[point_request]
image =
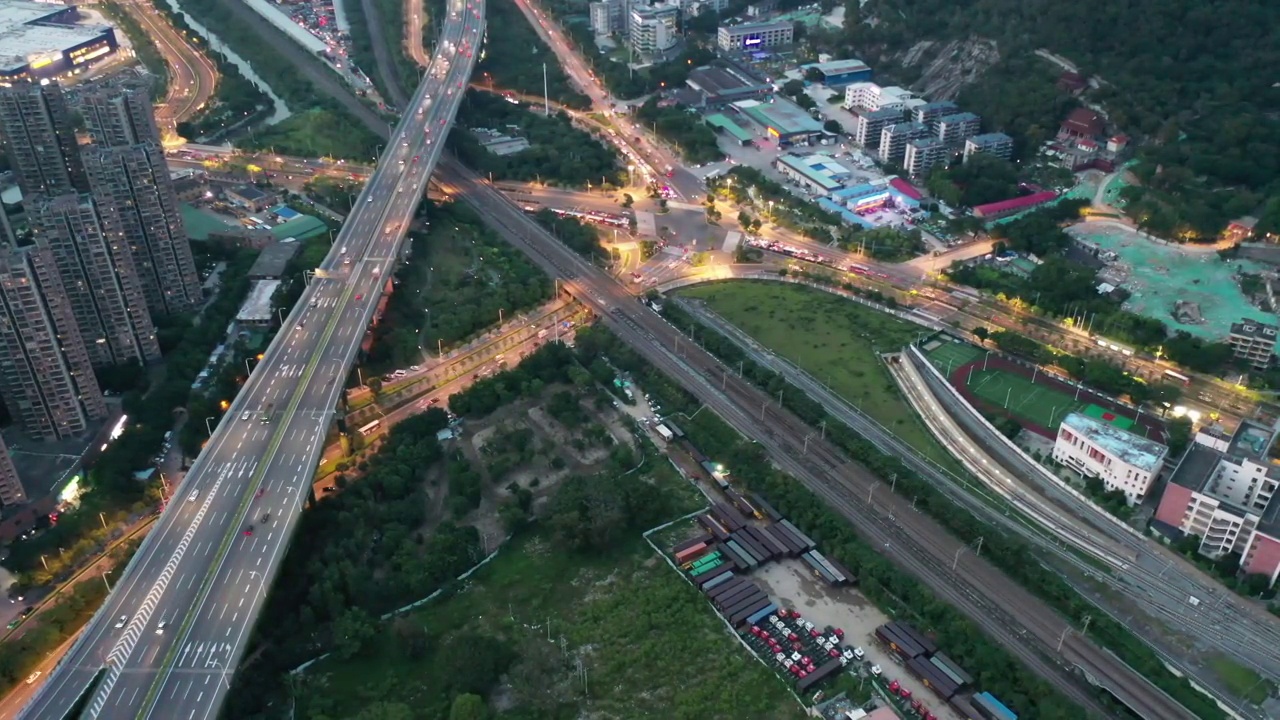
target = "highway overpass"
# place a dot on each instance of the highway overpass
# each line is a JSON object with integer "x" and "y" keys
{"x": 174, "y": 629}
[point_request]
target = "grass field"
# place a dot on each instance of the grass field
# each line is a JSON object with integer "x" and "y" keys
{"x": 649, "y": 643}
{"x": 948, "y": 355}
{"x": 835, "y": 340}
{"x": 1242, "y": 681}
{"x": 1033, "y": 403}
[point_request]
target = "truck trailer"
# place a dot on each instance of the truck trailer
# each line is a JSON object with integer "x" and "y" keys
{"x": 824, "y": 672}
{"x": 933, "y": 678}
{"x": 703, "y": 538}
{"x": 717, "y": 581}
{"x": 701, "y": 579}
{"x": 762, "y": 614}
{"x": 740, "y": 616}
{"x": 930, "y": 647}
{"x": 903, "y": 645}
{"x": 805, "y": 541}
{"x": 774, "y": 515}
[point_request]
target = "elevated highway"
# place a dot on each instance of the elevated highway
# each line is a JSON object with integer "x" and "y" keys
{"x": 175, "y": 627}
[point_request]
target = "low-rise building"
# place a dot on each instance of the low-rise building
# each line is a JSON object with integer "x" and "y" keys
{"x": 255, "y": 311}
{"x": 839, "y": 73}
{"x": 783, "y": 120}
{"x": 272, "y": 261}
{"x": 753, "y": 36}
{"x": 997, "y": 144}
{"x": 1253, "y": 342}
{"x": 819, "y": 173}
{"x": 499, "y": 143}
{"x": 1082, "y": 123}
{"x": 955, "y": 128}
{"x": 1122, "y": 460}
{"x": 922, "y": 155}
{"x": 868, "y": 125}
{"x": 721, "y": 84}
{"x": 1013, "y": 206}
{"x": 1223, "y": 492}
{"x": 250, "y": 197}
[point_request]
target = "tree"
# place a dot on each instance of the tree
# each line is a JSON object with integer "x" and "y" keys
{"x": 981, "y": 333}
{"x": 468, "y": 707}
{"x": 627, "y": 200}
{"x": 833, "y": 127}
{"x": 352, "y": 632}
{"x": 374, "y": 385}
{"x": 411, "y": 636}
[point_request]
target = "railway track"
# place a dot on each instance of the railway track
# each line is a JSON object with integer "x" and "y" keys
{"x": 994, "y": 602}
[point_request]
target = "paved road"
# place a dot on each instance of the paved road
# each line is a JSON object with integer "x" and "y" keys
{"x": 192, "y": 76}
{"x": 201, "y": 572}
{"x": 914, "y": 541}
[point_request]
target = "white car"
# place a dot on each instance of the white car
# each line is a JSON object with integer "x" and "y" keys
{"x": 160, "y": 627}
{"x": 245, "y": 415}
{"x": 414, "y": 368}
{"x": 192, "y": 497}
{"x": 875, "y": 670}
{"x": 120, "y": 623}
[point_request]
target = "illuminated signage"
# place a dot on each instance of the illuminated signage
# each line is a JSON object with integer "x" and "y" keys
{"x": 774, "y": 133}
{"x": 84, "y": 55}
{"x": 41, "y": 62}
{"x": 750, "y": 42}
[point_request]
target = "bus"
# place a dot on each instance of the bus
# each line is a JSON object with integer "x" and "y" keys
{"x": 369, "y": 429}
{"x": 1186, "y": 381}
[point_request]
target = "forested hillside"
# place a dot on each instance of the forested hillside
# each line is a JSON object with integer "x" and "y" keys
{"x": 1197, "y": 82}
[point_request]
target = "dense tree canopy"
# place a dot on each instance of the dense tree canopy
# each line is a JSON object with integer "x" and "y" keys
{"x": 1193, "y": 81}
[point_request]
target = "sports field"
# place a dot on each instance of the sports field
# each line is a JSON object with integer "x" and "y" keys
{"x": 947, "y": 354}
{"x": 1036, "y": 403}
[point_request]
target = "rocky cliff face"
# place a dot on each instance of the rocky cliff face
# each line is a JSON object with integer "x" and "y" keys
{"x": 947, "y": 67}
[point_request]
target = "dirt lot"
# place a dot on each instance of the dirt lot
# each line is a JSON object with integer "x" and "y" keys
{"x": 789, "y": 583}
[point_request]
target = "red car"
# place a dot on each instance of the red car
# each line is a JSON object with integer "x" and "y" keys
{"x": 359, "y": 296}
{"x": 248, "y": 530}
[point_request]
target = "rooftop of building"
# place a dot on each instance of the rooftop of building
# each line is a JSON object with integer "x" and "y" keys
{"x": 249, "y": 192}
{"x": 905, "y": 128}
{"x": 881, "y": 114}
{"x": 18, "y": 12}
{"x": 653, "y": 11}
{"x": 927, "y": 142}
{"x": 959, "y": 117}
{"x": 1084, "y": 121}
{"x": 257, "y": 306}
{"x": 718, "y": 80}
{"x": 300, "y": 228}
{"x": 785, "y": 118}
{"x": 763, "y": 26}
{"x": 940, "y": 105}
{"x": 989, "y": 138}
{"x": 1248, "y": 327}
{"x": 26, "y": 45}
{"x": 907, "y": 188}
{"x": 1133, "y": 449}
{"x": 824, "y": 170}
{"x": 725, "y": 123}
{"x": 1196, "y": 471}
{"x": 839, "y": 67}
{"x": 1018, "y": 203}
{"x": 273, "y": 259}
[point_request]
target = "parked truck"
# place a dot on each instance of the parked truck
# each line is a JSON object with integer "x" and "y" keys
{"x": 663, "y": 431}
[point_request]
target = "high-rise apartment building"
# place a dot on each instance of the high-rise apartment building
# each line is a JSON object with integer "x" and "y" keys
{"x": 609, "y": 16}
{"x": 871, "y": 123}
{"x": 997, "y": 144}
{"x": 133, "y": 182}
{"x": 653, "y": 29}
{"x": 45, "y": 373}
{"x": 127, "y": 174}
{"x": 11, "y": 490}
{"x": 118, "y": 112}
{"x": 894, "y": 139}
{"x": 40, "y": 139}
{"x": 100, "y": 278}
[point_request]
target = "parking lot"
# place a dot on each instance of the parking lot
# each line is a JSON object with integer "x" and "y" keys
{"x": 790, "y": 584}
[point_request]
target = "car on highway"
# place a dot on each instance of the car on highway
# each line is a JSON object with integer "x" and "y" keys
{"x": 376, "y": 269}
{"x": 160, "y": 626}
{"x": 248, "y": 530}
{"x": 265, "y": 518}
{"x": 192, "y": 497}
{"x": 121, "y": 621}
{"x": 245, "y": 415}
{"x": 359, "y": 296}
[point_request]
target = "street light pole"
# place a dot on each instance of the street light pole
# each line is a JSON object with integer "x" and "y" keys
{"x": 207, "y": 426}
